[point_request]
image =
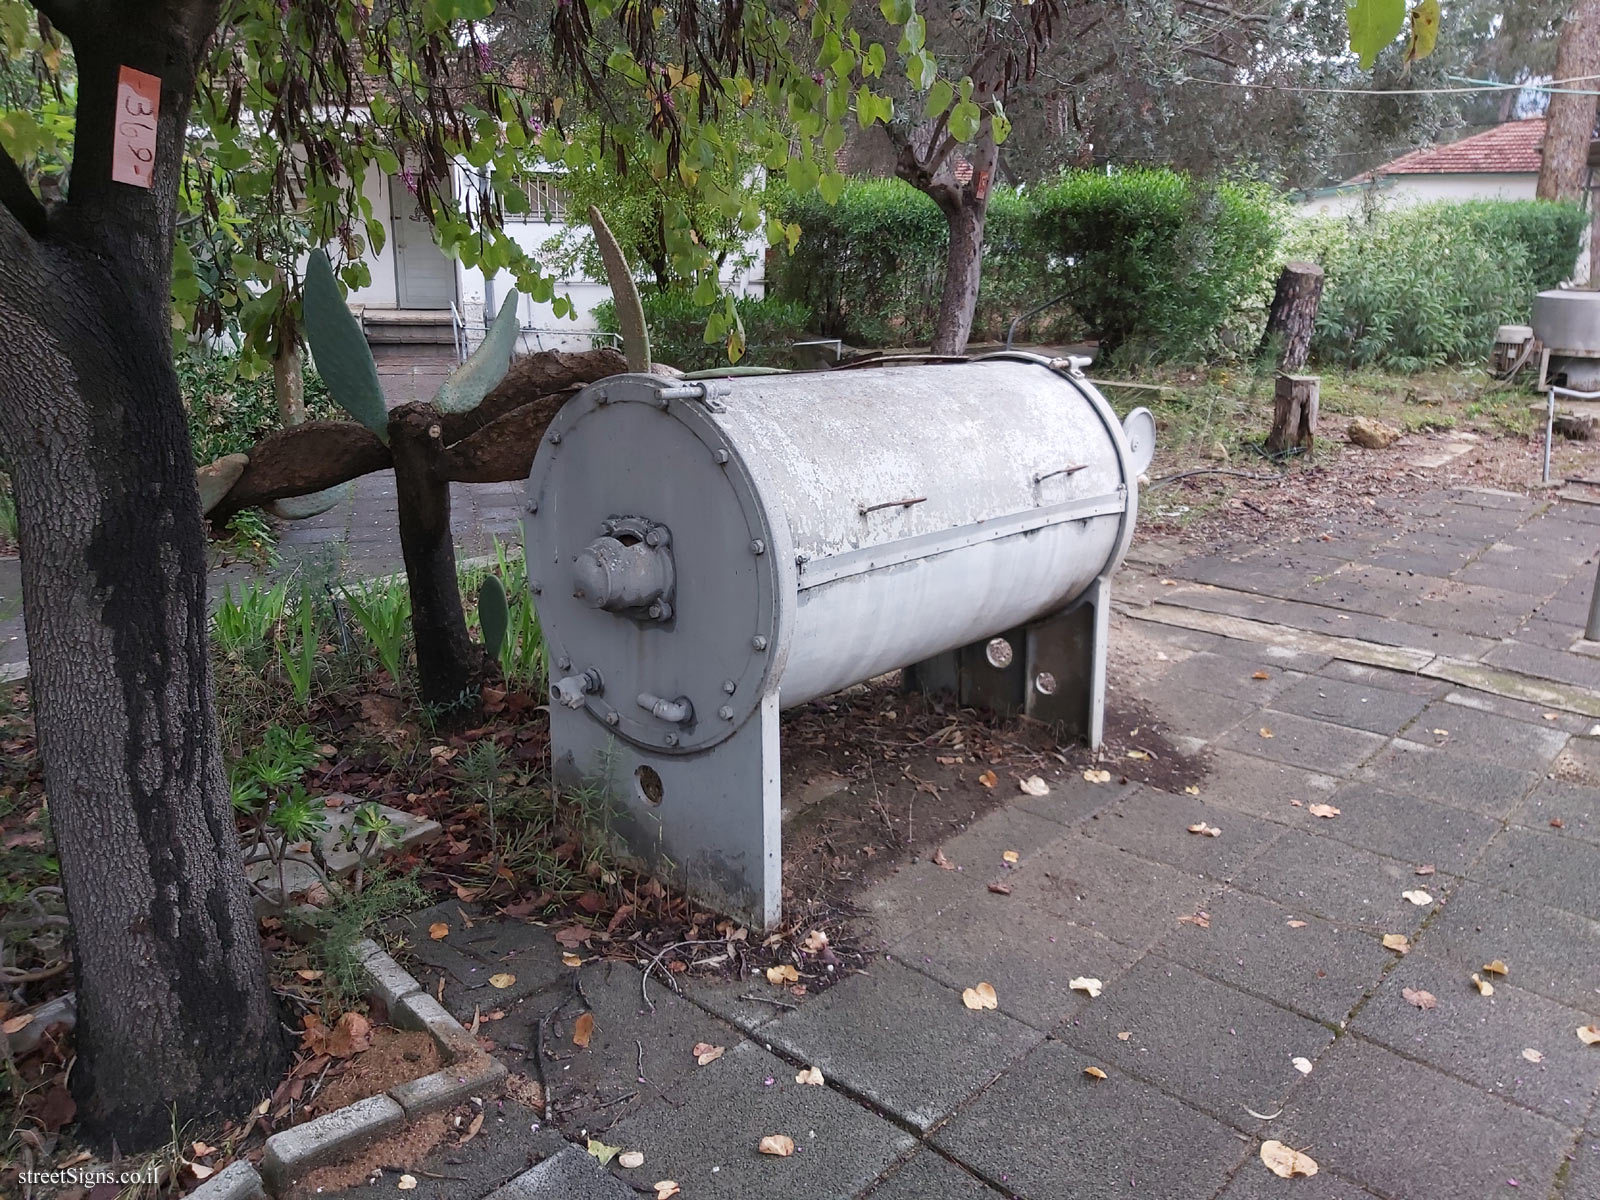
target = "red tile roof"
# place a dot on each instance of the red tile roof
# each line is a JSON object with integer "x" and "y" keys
{"x": 1509, "y": 149}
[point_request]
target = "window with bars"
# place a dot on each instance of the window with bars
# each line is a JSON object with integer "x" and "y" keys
{"x": 547, "y": 199}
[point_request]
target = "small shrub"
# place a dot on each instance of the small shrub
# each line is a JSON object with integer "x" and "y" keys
{"x": 354, "y": 915}
{"x": 231, "y": 410}
{"x": 1409, "y": 288}
{"x": 677, "y": 330}
{"x": 1157, "y": 264}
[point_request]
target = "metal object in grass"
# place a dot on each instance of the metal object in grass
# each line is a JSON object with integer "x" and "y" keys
{"x": 707, "y": 553}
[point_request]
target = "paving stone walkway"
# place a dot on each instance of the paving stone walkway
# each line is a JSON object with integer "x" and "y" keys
{"x": 1247, "y": 992}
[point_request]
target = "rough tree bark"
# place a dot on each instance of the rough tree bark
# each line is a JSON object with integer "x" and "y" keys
{"x": 289, "y": 383}
{"x": 446, "y": 665}
{"x": 176, "y": 1019}
{"x": 1293, "y": 316}
{"x": 927, "y": 161}
{"x": 1569, "y": 123}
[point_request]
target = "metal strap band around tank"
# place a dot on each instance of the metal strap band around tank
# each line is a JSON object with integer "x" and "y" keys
{"x": 817, "y": 572}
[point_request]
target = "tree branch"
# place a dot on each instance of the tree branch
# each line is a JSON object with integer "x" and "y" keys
{"x": 19, "y": 199}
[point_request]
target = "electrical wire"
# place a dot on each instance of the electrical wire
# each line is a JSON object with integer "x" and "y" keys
{"x": 1473, "y": 87}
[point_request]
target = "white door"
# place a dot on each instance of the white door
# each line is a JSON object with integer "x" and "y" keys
{"x": 424, "y": 276}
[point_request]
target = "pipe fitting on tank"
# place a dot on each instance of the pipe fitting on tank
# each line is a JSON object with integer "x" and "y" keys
{"x": 674, "y": 712}
{"x": 627, "y": 569}
{"x": 573, "y": 690}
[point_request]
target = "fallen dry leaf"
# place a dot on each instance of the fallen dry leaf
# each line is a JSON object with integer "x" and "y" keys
{"x": 939, "y": 860}
{"x": 1265, "y": 732}
{"x": 1441, "y": 732}
{"x": 1533, "y": 1055}
{"x": 1485, "y": 988}
{"x": 1205, "y": 830}
{"x": 1417, "y": 896}
{"x": 1426, "y": 869}
{"x": 1589, "y": 1034}
{"x": 1261, "y": 675}
{"x": 502, "y": 980}
{"x": 17, "y": 1024}
{"x": 1191, "y": 790}
{"x": 1301, "y": 1064}
{"x": 472, "y": 1128}
{"x": 631, "y": 1159}
{"x": 1034, "y": 786}
{"x": 201, "y": 1150}
{"x": 309, "y": 975}
{"x": 1298, "y": 803}
{"x": 1397, "y": 941}
{"x": 1139, "y": 755}
{"x": 1557, "y": 823}
{"x": 1201, "y": 920}
{"x": 1094, "y": 1072}
{"x": 438, "y": 931}
{"x": 1085, "y": 983}
{"x": 1495, "y": 968}
{"x": 352, "y": 1034}
{"x": 601, "y": 1151}
{"x": 811, "y": 1076}
{"x": 569, "y": 959}
{"x": 572, "y": 936}
{"x": 1296, "y": 923}
{"x": 1096, "y": 776}
{"x": 988, "y": 779}
{"x": 1551, "y": 716}
{"x": 816, "y": 942}
{"x": 583, "y": 1030}
{"x": 980, "y": 997}
{"x": 1326, "y": 811}
{"x": 782, "y": 974}
{"x": 1000, "y": 889}
{"x": 1286, "y": 1163}
{"x": 1125, "y": 1035}
{"x": 406, "y": 1183}
{"x": 200, "y": 1171}
{"x": 705, "y": 1052}
{"x": 1011, "y": 858}
{"x": 779, "y": 1145}
{"x": 666, "y": 1189}
{"x": 1420, "y": 998}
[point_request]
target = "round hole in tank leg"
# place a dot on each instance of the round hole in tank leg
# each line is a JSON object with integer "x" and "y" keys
{"x": 648, "y": 785}
{"x": 998, "y": 652}
{"x": 1045, "y": 683}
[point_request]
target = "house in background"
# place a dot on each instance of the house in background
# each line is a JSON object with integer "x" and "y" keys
{"x": 1498, "y": 164}
{"x": 421, "y": 296}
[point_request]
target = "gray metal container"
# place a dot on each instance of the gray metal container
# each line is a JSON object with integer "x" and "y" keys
{"x": 704, "y": 554}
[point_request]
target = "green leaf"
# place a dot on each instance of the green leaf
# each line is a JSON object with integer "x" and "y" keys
{"x": 939, "y": 97}
{"x": 1424, "y": 30}
{"x": 475, "y": 378}
{"x": 896, "y": 12}
{"x": 964, "y": 120}
{"x": 999, "y": 124}
{"x": 1373, "y": 25}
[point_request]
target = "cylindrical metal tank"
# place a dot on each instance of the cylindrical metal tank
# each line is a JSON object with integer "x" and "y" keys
{"x": 1566, "y": 322}
{"x": 703, "y": 553}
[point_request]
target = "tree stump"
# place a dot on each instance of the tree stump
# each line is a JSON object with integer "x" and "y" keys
{"x": 1294, "y": 413}
{"x": 1294, "y": 314}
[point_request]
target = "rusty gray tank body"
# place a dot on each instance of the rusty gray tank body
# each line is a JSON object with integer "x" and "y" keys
{"x": 703, "y": 554}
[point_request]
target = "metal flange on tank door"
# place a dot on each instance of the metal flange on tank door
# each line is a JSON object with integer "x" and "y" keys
{"x": 656, "y": 567}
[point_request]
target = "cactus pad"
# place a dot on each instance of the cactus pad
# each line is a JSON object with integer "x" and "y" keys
{"x": 340, "y": 348}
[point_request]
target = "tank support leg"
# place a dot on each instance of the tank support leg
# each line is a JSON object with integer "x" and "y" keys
{"x": 709, "y": 822}
{"x": 1055, "y": 672}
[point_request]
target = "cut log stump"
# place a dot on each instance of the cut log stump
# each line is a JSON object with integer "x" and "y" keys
{"x": 1293, "y": 317}
{"x": 1294, "y": 413}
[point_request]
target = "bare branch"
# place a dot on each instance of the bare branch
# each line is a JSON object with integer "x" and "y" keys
{"x": 19, "y": 198}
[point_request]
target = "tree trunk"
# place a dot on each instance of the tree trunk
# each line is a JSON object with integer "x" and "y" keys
{"x": 174, "y": 1011}
{"x": 289, "y": 382}
{"x": 1294, "y": 413}
{"x": 965, "y": 205}
{"x": 1293, "y": 317}
{"x": 1569, "y": 122}
{"x": 176, "y": 1021}
{"x": 446, "y": 661}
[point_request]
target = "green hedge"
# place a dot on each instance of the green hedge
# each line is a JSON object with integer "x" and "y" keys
{"x": 1412, "y": 287}
{"x": 230, "y": 412}
{"x": 677, "y": 330}
{"x": 1150, "y": 261}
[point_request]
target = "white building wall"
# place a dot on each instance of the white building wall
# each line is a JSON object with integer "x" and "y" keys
{"x": 1420, "y": 189}
{"x": 545, "y": 331}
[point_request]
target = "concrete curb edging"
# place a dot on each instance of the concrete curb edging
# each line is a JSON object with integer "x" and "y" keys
{"x": 291, "y": 1153}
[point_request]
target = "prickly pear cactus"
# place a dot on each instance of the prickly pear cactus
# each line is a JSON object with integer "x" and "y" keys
{"x": 340, "y": 349}
{"x": 624, "y": 294}
{"x": 492, "y": 615}
{"x": 476, "y": 378}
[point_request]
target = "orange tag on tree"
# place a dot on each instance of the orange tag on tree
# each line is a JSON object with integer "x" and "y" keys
{"x": 133, "y": 139}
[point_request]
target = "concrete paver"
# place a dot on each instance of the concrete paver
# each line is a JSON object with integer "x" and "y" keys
{"x": 927, "y": 1175}
{"x": 1406, "y": 827}
{"x": 1340, "y": 882}
{"x": 903, "y": 1041}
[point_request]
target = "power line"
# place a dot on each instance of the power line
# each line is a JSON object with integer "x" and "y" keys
{"x": 1474, "y": 86}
